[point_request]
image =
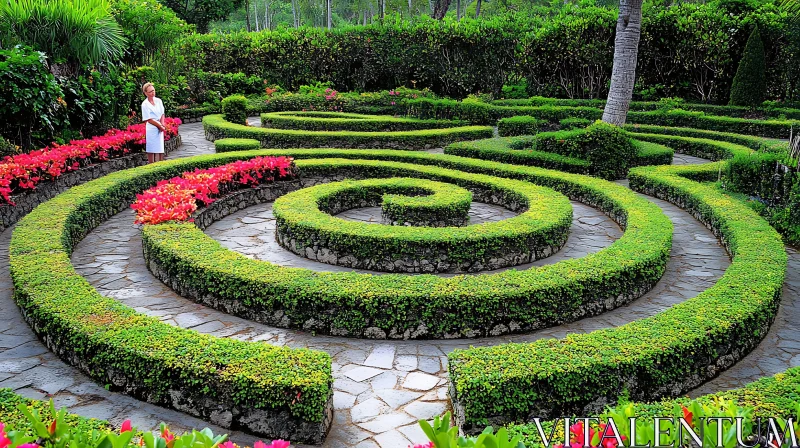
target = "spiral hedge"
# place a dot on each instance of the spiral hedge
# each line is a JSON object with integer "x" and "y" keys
{"x": 304, "y": 220}
{"x": 659, "y": 357}
{"x": 398, "y": 306}
{"x": 216, "y": 127}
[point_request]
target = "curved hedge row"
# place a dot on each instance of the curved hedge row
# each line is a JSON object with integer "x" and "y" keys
{"x": 595, "y": 150}
{"x": 305, "y": 226}
{"x": 216, "y": 127}
{"x": 441, "y": 205}
{"x": 486, "y": 113}
{"x": 401, "y": 306}
{"x": 229, "y": 382}
{"x": 342, "y": 121}
{"x": 664, "y": 355}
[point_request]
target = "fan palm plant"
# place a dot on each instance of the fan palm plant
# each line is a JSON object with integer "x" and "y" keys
{"x": 72, "y": 33}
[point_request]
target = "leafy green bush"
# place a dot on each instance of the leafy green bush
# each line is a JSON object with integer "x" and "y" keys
{"x": 601, "y": 150}
{"x": 234, "y": 109}
{"x": 71, "y": 32}
{"x": 32, "y": 108}
{"x": 216, "y": 127}
{"x": 149, "y": 28}
{"x": 423, "y": 305}
{"x": 750, "y": 85}
{"x": 140, "y": 354}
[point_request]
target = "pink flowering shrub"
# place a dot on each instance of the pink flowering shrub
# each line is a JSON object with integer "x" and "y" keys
{"x": 177, "y": 198}
{"x": 25, "y": 171}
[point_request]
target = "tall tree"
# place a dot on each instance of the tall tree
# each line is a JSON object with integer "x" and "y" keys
{"x": 329, "y": 14}
{"x": 626, "y": 51}
{"x": 478, "y": 9}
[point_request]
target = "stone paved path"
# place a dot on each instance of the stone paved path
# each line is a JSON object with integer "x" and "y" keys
{"x": 381, "y": 387}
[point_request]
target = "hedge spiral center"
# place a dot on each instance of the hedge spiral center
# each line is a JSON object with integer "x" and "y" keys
{"x": 305, "y": 225}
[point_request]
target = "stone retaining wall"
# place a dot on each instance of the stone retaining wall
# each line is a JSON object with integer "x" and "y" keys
{"x": 30, "y": 199}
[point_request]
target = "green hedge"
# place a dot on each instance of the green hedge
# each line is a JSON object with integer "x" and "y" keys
{"x": 440, "y": 202}
{"x": 520, "y": 125}
{"x": 661, "y": 356}
{"x": 648, "y": 153}
{"x": 402, "y": 305}
{"x": 699, "y": 147}
{"x": 235, "y": 144}
{"x": 342, "y": 121}
{"x": 485, "y": 113}
{"x": 234, "y": 109}
{"x": 305, "y": 217}
{"x": 766, "y": 111}
{"x": 140, "y": 354}
{"x": 216, "y": 127}
{"x": 607, "y": 150}
{"x": 752, "y": 142}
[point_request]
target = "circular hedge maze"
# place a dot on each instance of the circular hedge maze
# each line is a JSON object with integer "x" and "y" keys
{"x": 421, "y": 269}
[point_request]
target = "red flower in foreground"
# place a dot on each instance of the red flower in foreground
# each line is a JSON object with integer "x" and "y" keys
{"x": 4, "y": 440}
{"x": 126, "y": 426}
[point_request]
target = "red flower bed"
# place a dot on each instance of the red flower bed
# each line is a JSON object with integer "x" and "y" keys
{"x": 176, "y": 199}
{"x": 24, "y": 171}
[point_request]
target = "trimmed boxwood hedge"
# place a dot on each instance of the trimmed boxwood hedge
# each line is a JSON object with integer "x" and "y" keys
{"x": 699, "y": 147}
{"x": 440, "y": 202}
{"x": 236, "y": 144}
{"x": 403, "y": 306}
{"x": 752, "y": 142}
{"x": 216, "y": 127}
{"x": 602, "y": 150}
{"x": 661, "y": 356}
{"x": 644, "y": 106}
{"x": 521, "y": 125}
{"x": 342, "y": 121}
{"x": 141, "y": 355}
{"x": 648, "y": 153}
{"x": 485, "y": 113}
{"x": 305, "y": 217}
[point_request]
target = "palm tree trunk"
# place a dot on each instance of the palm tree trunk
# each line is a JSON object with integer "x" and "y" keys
{"x": 294, "y": 13}
{"x": 458, "y": 10}
{"x": 478, "y": 9}
{"x": 626, "y": 50}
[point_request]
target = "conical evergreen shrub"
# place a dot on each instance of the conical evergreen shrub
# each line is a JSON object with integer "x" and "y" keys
{"x": 750, "y": 84}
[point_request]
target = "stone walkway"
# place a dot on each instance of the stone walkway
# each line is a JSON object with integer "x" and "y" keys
{"x": 381, "y": 387}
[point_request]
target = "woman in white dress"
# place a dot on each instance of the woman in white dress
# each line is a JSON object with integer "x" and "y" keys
{"x": 153, "y": 115}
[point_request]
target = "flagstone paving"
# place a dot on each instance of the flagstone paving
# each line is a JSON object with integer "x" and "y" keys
{"x": 381, "y": 387}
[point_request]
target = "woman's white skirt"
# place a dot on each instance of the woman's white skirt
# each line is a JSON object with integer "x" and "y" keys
{"x": 155, "y": 140}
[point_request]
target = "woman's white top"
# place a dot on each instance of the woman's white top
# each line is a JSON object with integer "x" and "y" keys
{"x": 155, "y": 138}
